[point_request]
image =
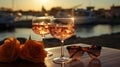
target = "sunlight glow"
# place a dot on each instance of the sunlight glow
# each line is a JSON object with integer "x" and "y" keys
{"x": 44, "y": 1}
{"x": 48, "y": 4}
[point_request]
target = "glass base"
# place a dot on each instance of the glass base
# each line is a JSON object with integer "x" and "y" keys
{"x": 60, "y": 60}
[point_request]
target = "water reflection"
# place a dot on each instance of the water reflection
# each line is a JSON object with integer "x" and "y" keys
{"x": 97, "y": 30}
{"x": 81, "y": 31}
{"x": 102, "y": 29}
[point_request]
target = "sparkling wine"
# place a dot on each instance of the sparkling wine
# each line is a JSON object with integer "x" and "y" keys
{"x": 62, "y": 32}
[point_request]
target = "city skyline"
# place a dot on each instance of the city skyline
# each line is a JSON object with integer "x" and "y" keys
{"x": 48, "y": 4}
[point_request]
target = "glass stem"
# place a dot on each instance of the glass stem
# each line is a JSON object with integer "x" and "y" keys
{"x": 62, "y": 48}
{"x": 43, "y": 36}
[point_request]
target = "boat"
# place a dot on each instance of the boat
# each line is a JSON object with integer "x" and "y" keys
{"x": 84, "y": 16}
{"x": 6, "y": 21}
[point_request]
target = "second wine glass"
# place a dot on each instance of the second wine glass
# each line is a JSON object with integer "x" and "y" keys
{"x": 62, "y": 29}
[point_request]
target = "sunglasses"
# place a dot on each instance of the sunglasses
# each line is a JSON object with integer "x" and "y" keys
{"x": 77, "y": 51}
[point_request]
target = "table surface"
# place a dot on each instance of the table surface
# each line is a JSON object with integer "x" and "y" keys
{"x": 109, "y": 58}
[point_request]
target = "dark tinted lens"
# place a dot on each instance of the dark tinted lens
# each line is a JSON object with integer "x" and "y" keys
{"x": 72, "y": 49}
{"x": 94, "y": 51}
{"x": 75, "y": 52}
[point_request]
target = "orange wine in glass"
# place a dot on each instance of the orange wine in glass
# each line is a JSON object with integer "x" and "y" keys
{"x": 62, "y": 29}
{"x": 40, "y": 26}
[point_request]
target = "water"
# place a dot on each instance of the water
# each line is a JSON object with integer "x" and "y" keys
{"x": 81, "y": 31}
{"x": 89, "y": 31}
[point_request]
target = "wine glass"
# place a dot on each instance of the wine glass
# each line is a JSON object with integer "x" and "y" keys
{"x": 62, "y": 29}
{"x": 40, "y": 26}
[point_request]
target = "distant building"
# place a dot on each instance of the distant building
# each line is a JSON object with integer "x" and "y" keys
{"x": 115, "y": 10}
{"x": 43, "y": 11}
{"x": 100, "y": 13}
{"x": 90, "y": 8}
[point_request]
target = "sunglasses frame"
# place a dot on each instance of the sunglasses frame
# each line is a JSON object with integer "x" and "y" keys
{"x": 89, "y": 50}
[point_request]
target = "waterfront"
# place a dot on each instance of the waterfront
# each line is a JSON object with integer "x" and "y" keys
{"x": 81, "y": 31}
{"x": 96, "y": 30}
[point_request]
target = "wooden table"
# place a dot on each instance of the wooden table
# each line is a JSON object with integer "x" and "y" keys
{"x": 109, "y": 58}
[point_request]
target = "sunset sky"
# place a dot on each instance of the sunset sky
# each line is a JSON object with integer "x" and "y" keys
{"x": 48, "y": 4}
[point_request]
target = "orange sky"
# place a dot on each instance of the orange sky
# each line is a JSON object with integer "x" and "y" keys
{"x": 48, "y": 4}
